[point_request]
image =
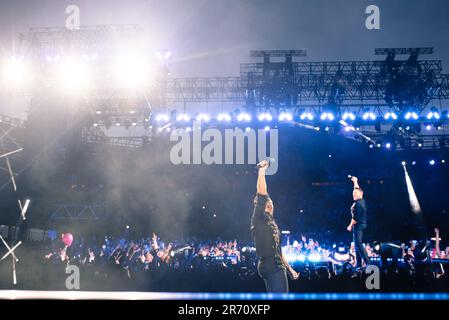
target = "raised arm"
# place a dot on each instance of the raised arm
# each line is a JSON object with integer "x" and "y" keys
{"x": 261, "y": 181}
{"x": 437, "y": 243}
{"x": 355, "y": 181}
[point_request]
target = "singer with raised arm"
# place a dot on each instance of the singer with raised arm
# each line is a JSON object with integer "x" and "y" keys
{"x": 272, "y": 266}
{"x": 358, "y": 222}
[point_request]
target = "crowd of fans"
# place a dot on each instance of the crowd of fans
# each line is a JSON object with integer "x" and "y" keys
{"x": 152, "y": 255}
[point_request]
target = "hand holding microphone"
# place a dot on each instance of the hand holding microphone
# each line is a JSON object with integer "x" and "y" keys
{"x": 265, "y": 164}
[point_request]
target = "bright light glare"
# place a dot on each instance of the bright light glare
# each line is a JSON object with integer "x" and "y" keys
{"x": 15, "y": 72}
{"x": 224, "y": 117}
{"x": 133, "y": 71}
{"x": 413, "y": 199}
{"x": 73, "y": 75}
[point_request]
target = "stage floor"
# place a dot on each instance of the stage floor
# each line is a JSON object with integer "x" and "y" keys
{"x": 132, "y": 295}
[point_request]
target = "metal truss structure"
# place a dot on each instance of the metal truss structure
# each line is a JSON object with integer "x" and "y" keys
{"x": 275, "y": 82}
{"x": 64, "y": 211}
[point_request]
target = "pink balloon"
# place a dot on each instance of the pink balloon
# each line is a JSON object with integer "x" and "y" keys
{"x": 67, "y": 239}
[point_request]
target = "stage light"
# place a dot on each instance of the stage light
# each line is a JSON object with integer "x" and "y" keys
{"x": 285, "y": 116}
{"x": 95, "y": 124}
{"x": 134, "y": 124}
{"x": 348, "y": 116}
{"x": 326, "y": 129}
{"x": 163, "y": 56}
{"x": 182, "y": 117}
{"x": 307, "y": 116}
{"x": 327, "y": 116}
{"x": 371, "y": 146}
{"x": 428, "y": 127}
{"x": 265, "y": 116}
{"x": 91, "y": 57}
{"x": 117, "y": 124}
{"x": 388, "y": 145}
{"x": 162, "y": 117}
{"x": 73, "y": 75}
{"x": 413, "y": 163}
{"x": 432, "y": 162}
{"x": 411, "y": 115}
{"x": 203, "y": 117}
{"x": 127, "y": 227}
{"x": 224, "y": 117}
{"x": 403, "y": 163}
{"x": 52, "y": 59}
{"x": 267, "y": 128}
{"x": 244, "y": 117}
{"x": 390, "y": 115}
{"x": 188, "y": 129}
{"x": 133, "y": 71}
{"x": 247, "y": 129}
{"x": 15, "y": 72}
{"x": 443, "y": 161}
{"x": 369, "y": 116}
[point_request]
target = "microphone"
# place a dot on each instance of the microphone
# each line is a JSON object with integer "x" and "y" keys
{"x": 270, "y": 160}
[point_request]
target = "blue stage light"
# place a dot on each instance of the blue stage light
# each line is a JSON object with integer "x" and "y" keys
{"x": 348, "y": 116}
{"x": 182, "y": 117}
{"x": 432, "y": 162}
{"x": 162, "y": 117}
{"x": 224, "y": 117}
{"x": 411, "y": 115}
{"x": 390, "y": 115}
{"x": 203, "y": 117}
{"x": 265, "y": 116}
{"x": 327, "y": 116}
{"x": 285, "y": 116}
{"x": 307, "y": 116}
{"x": 244, "y": 117}
{"x": 369, "y": 116}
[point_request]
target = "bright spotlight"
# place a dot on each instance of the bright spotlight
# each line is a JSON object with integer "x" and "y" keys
{"x": 265, "y": 116}
{"x": 162, "y": 117}
{"x": 307, "y": 115}
{"x": 390, "y": 115}
{"x": 413, "y": 199}
{"x": 388, "y": 145}
{"x": 163, "y": 56}
{"x": 133, "y": 71}
{"x": 411, "y": 115}
{"x": 203, "y": 117}
{"x": 403, "y": 163}
{"x": 224, "y": 117}
{"x": 327, "y": 116}
{"x": 285, "y": 116}
{"x": 267, "y": 128}
{"x": 348, "y": 116}
{"x": 432, "y": 162}
{"x": 15, "y": 72}
{"x": 73, "y": 75}
{"x": 369, "y": 116}
{"x": 182, "y": 117}
{"x": 244, "y": 117}
{"x": 247, "y": 129}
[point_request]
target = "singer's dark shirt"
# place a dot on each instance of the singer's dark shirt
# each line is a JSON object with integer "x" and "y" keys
{"x": 266, "y": 236}
{"x": 358, "y": 211}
